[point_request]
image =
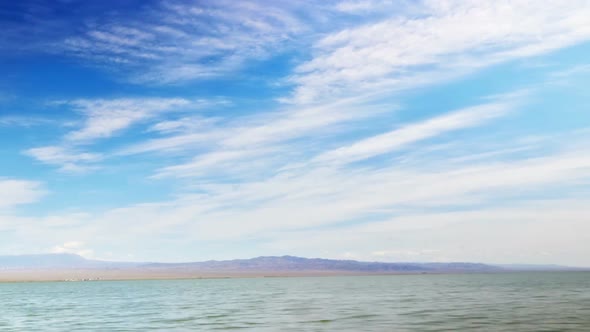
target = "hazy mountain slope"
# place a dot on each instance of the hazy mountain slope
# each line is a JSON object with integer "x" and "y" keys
{"x": 263, "y": 264}
{"x": 291, "y": 263}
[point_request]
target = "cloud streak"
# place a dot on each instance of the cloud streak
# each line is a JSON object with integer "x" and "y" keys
{"x": 105, "y": 118}
{"x": 68, "y": 160}
{"x": 447, "y": 38}
{"x": 223, "y": 35}
{"x": 399, "y": 138}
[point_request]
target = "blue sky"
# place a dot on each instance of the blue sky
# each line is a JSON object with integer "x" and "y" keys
{"x": 372, "y": 130}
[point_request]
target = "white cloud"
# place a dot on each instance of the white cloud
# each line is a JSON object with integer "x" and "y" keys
{"x": 105, "y": 118}
{"x": 360, "y": 7}
{"x": 66, "y": 158}
{"x": 260, "y": 132}
{"x": 383, "y": 203}
{"x": 366, "y": 211}
{"x": 23, "y": 121}
{"x": 448, "y": 37}
{"x": 298, "y": 122}
{"x": 220, "y": 162}
{"x": 183, "y": 125}
{"x": 73, "y": 247}
{"x": 171, "y": 41}
{"x": 258, "y": 144}
{"x": 398, "y": 138}
{"x": 183, "y": 141}
{"x": 15, "y": 192}
{"x": 332, "y": 196}
{"x": 534, "y": 231}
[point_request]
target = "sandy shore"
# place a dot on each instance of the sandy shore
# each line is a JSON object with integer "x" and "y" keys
{"x": 151, "y": 274}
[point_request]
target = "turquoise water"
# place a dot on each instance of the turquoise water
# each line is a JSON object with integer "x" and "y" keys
{"x": 475, "y": 302}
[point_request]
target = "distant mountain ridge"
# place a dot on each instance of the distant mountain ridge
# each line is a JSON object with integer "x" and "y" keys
{"x": 540, "y": 267}
{"x": 292, "y": 263}
{"x": 259, "y": 264}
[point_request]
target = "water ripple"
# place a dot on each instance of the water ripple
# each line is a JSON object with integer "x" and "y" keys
{"x": 477, "y": 302}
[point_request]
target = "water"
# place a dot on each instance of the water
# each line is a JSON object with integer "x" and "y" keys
{"x": 476, "y": 302}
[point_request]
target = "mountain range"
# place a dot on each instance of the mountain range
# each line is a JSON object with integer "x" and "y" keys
{"x": 258, "y": 264}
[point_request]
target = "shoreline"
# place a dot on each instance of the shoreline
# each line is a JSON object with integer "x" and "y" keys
{"x": 89, "y": 275}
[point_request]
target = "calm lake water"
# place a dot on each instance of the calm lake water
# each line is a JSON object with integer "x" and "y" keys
{"x": 484, "y": 302}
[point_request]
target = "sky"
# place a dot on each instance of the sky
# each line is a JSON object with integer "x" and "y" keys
{"x": 376, "y": 130}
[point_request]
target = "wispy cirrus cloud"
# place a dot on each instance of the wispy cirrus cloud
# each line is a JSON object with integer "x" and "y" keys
{"x": 412, "y": 133}
{"x": 24, "y": 121}
{"x": 67, "y": 159}
{"x": 104, "y": 118}
{"x": 275, "y": 143}
{"x": 188, "y": 40}
{"x": 446, "y": 38}
{"x": 374, "y": 205}
{"x": 259, "y": 130}
{"x": 187, "y": 124}
{"x": 334, "y": 196}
